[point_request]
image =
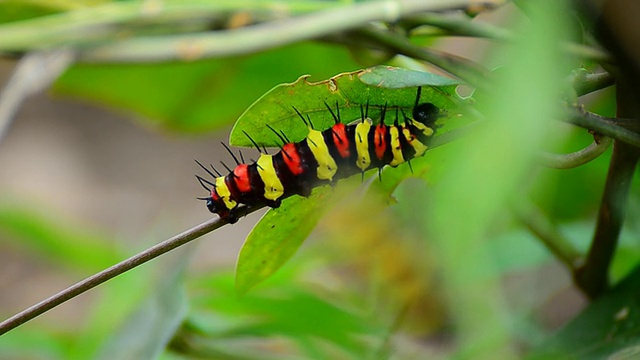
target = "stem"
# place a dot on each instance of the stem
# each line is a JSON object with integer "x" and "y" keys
{"x": 592, "y": 277}
{"x": 577, "y": 158}
{"x": 120, "y": 268}
{"x": 261, "y": 36}
{"x": 618, "y": 129}
{"x": 463, "y": 26}
{"x": 35, "y": 72}
{"x": 587, "y": 83}
{"x": 459, "y": 25}
{"x": 102, "y": 21}
{"x": 78, "y": 26}
{"x": 467, "y": 70}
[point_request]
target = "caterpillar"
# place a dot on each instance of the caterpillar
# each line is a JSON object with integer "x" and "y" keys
{"x": 321, "y": 158}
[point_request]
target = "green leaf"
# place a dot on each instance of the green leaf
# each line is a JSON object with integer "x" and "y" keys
{"x": 395, "y": 78}
{"x": 281, "y": 231}
{"x": 608, "y": 329}
{"x": 277, "y": 237}
{"x": 350, "y": 91}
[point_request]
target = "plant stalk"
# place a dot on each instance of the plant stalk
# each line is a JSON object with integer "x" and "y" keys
{"x": 115, "y": 270}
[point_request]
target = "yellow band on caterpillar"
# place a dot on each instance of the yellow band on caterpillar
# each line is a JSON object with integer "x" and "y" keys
{"x": 223, "y": 191}
{"x": 419, "y": 147}
{"x": 327, "y": 166}
{"x": 273, "y": 188}
{"x": 362, "y": 145}
{"x": 396, "y": 148}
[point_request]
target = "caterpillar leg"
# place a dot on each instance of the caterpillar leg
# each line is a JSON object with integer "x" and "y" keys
{"x": 305, "y": 190}
{"x": 273, "y": 203}
{"x": 232, "y": 218}
{"x": 229, "y": 216}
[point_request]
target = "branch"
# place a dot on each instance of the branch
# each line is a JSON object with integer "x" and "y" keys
{"x": 577, "y": 158}
{"x": 104, "y": 22}
{"x": 465, "y": 69}
{"x": 612, "y": 127}
{"x": 120, "y": 268}
{"x": 585, "y": 83}
{"x": 35, "y": 72}
{"x": 592, "y": 277}
{"x": 264, "y": 36}
{"x": 460, "y": 25}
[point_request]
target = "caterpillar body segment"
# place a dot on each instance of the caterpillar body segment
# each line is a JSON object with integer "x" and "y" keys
{"x": 321, "y": 158}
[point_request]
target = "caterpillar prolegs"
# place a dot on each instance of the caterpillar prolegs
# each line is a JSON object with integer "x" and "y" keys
{"x": 321, "y": 158}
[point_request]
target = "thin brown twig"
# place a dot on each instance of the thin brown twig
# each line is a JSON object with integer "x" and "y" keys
{"x": 623, "y": 130}
{"x": 266, "y": 35}
{"x": 115, "y": 270}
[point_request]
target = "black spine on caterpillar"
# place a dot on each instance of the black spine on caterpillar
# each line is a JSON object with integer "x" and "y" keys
{"x": 321, "y": 158}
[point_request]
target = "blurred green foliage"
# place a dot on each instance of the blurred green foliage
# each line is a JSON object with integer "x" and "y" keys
{"x": 199, "y": 96}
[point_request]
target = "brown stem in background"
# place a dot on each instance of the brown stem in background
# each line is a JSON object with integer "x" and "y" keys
{"x": 614, "y": 24}
{"x": 465, "y": 69}
{"x": 593, "y": 276}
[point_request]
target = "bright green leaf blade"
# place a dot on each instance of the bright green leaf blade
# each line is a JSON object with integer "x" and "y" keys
{"x": 281, "y": 231}
{"x": 608, "y": 329}
{"x": 349, "y": 91}
{"x": 277, "y": 237}
{"x": 275, "y": 253}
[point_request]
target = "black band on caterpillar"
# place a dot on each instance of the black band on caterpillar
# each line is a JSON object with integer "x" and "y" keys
{"x": 321, "y": 158}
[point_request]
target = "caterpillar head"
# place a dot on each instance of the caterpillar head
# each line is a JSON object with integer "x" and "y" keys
{"x": 211, "y": 205}
{"x": 216, "y": 205}
{"x": 427, "y": 114}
